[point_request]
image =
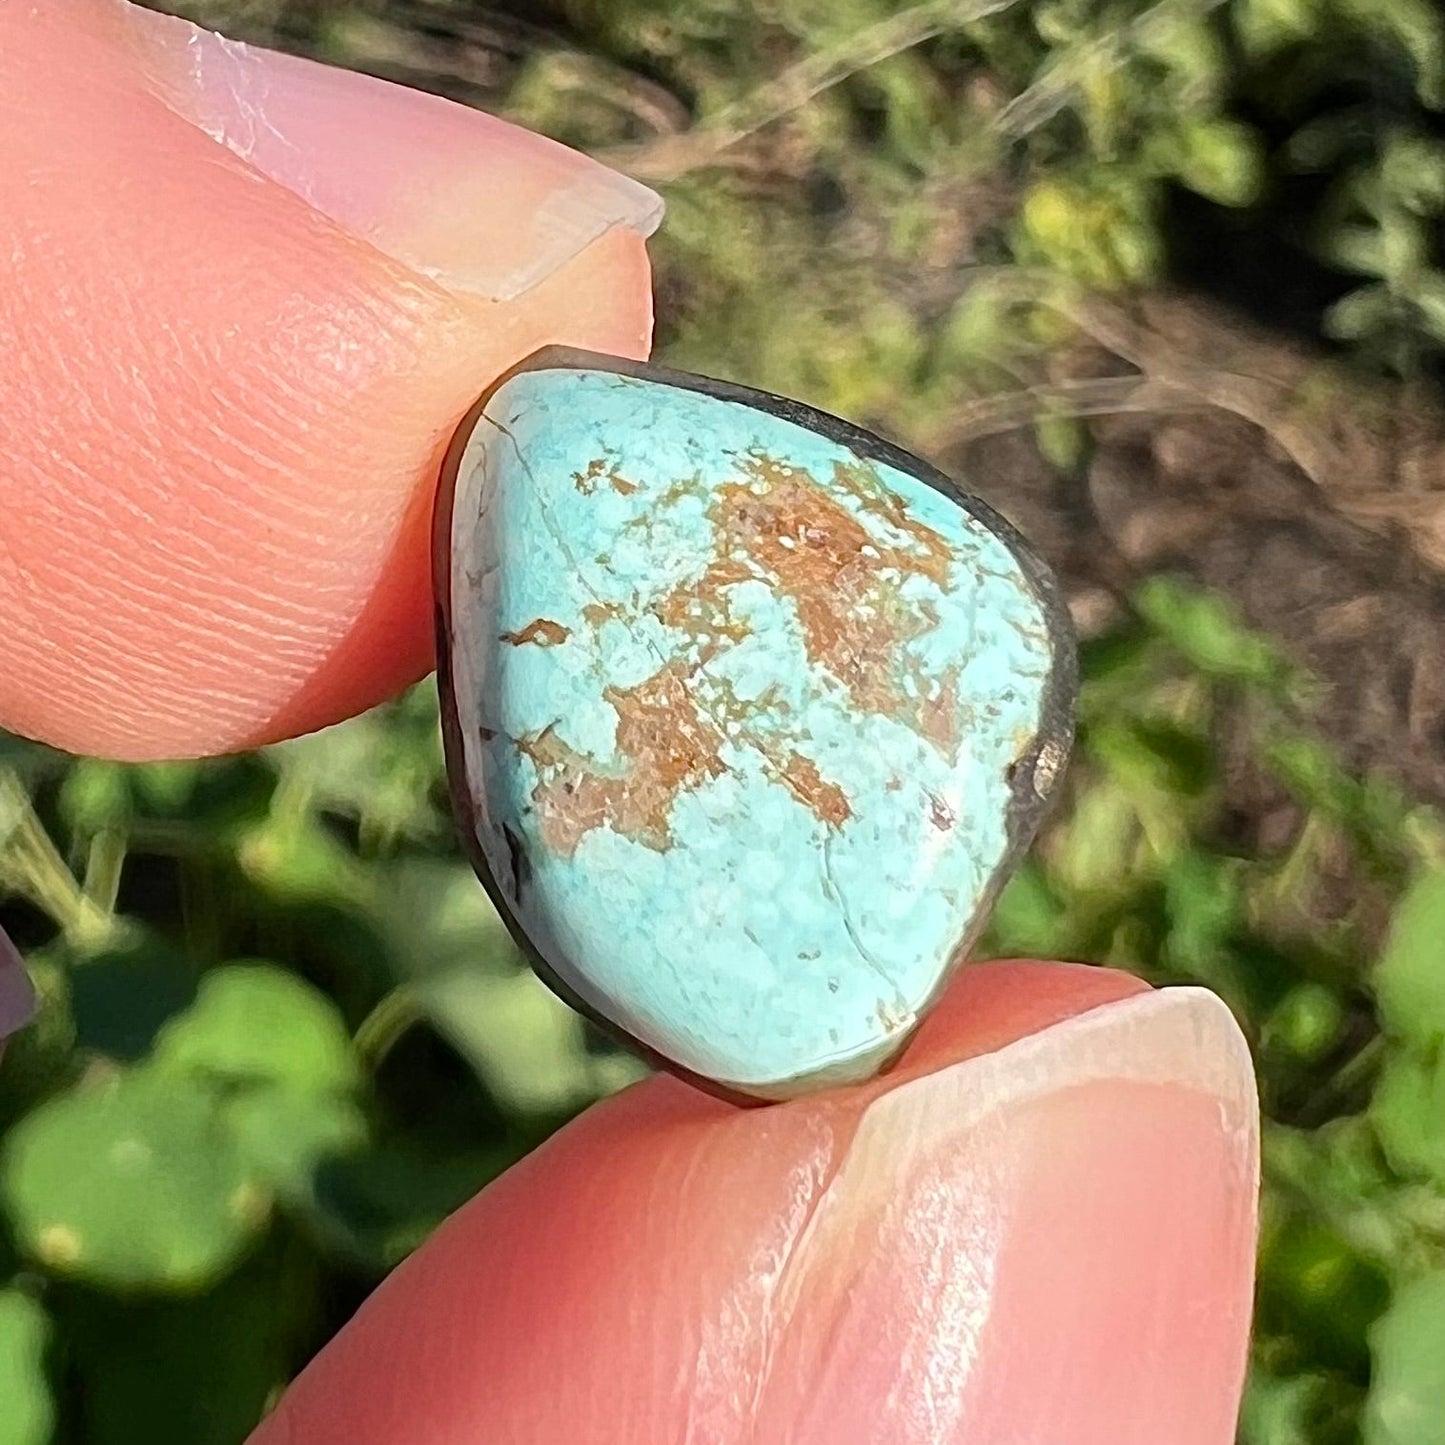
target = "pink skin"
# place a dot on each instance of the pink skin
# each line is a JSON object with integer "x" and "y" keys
{"x": 223, "y": 408}
{"x": 247, "y": 301}
{"x": 1050, "y": 1242}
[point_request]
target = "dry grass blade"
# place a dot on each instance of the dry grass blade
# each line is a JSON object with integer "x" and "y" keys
{"x": 987, "y": 416}
{"x": 667, "y": 159}
{"x": 1050, "y": 93}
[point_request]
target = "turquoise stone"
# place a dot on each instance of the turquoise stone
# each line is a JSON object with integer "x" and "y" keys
{"x": 747, "y": 713}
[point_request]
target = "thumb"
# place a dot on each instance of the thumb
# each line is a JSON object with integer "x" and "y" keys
{"x": 246, "y": 301}
{"x": 1039, "y": 1227}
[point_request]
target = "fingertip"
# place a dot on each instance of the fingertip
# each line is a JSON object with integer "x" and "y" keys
{"x": 1064, "y": 1191}
{"x": 225, "y": 394}
{"x": 600, "y": 299}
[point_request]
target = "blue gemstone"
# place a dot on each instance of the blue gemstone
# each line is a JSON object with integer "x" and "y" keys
{"x": 747, "y": 712}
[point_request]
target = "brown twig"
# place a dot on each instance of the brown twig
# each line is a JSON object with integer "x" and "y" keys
{"x": 1265, "y": 400}
{"x": 987, "y": 416}
{"x": 1049, "y": 94}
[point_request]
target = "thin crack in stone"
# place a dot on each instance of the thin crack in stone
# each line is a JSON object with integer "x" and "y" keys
{"x": 851, "y": 928}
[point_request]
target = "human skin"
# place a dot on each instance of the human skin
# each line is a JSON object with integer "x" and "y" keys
{"x": 245, "y": 303}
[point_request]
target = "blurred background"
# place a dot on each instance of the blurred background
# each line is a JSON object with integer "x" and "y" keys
{"x": 1165, "y": 283}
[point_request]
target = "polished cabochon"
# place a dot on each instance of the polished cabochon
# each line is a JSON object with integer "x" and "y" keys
{"x": 747, "y": 712}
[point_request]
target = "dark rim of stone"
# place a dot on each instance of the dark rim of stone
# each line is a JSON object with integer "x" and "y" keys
{"x": 1033, "y": 778}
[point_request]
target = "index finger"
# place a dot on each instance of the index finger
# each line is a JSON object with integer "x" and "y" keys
{"x": 246, "y": 300}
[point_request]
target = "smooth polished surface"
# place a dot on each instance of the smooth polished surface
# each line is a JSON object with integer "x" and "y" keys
{"x": 749, "y": 719}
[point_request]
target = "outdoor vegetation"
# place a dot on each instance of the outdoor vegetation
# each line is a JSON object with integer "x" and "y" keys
{"x": 283, "y": 1032}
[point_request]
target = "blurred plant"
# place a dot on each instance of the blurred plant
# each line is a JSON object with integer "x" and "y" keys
{"x": 936, "y": 135}
{"x": 204, "y": 1149}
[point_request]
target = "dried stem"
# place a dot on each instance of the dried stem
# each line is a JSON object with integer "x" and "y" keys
{"x": 31, "y": 865}
{"x": 674, "y": 156}
{"x": 986, "y": 416}
{"x": 1040, "y": 102}
{"x": 1271, "y": 403}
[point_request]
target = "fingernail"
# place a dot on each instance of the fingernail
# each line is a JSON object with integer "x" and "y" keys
{"x": 476, "y": 204}
{"x": 1061, "y": 1230}
{"x": 17, "y": 993}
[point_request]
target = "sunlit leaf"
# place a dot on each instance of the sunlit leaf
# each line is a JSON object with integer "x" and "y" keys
{"x": 254, "y": 1022}
{"x": 286, "y": 1135}
{"x": 1407, "y": 1395}
{"x": 130, "y": 1183}
{"x": 1206, "y": 629}
{"x": 1222, "y": 160}
{"x": 1410, "y": 976}
{"x": 1408, "y": 1110}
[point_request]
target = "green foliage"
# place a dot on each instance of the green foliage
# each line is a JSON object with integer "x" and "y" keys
{"x": 1410, "y": 978}
{"x": 1407, "y": 1404}
{"x": 272, "y": 1055}
{"x": 128, "y": 1183}
{"x": 253, "y": 1023}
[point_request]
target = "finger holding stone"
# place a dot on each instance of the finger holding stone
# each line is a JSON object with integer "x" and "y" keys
{"x": 1045, "y": 1214}
{"x": 247, "y": 300}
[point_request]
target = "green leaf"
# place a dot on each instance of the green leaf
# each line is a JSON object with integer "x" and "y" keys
{"x": 1410, "y": 977}
{"x": 1375, "y": 813}
{"x": 383, "y": 768}
{"x": 287, "y": 1135}
{"x": 438, "y": 917}
{"x": 27, "y": 1414}
{"x": 1211, "y": 635}
{"x": 1412, "y": 171}
{"x": 1097, "y": 846}
{"x": 123, "y": 995}
{"x": 166, "y": 788}
{"x": 1265, "y": 26}
{"x": 1357, "y": 248}
{"x": 1062, "y": 440}
{"x": 1362, "y": 313}
{"x": 1315, "y": 1286}
{"x": 1195, "y": 54}
{"x": 1407, "y": 1391}
{"x": 254, "y": 1022}
{"x": 379, "y": 1205}
{"x": 1205, "y": 908}
{"x": 525, "y": 1044}
{"x": 95, "y": 795}
{"x": 1408, "y": 1112}
{"x": 1307, "y": 1022}
{"x": 132, "y": 1183}
{"x": 1029, "y": 919}
{"x": 297, "y": 859}
{"x": 1285, "y": 1410}
{"x": 1428, "y": 298}
{"x": 469, "y": 980}
{"x": 1154, "y": 754}
{"x": 1221, "y": 160}
{"x": 1416, "y": 26}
